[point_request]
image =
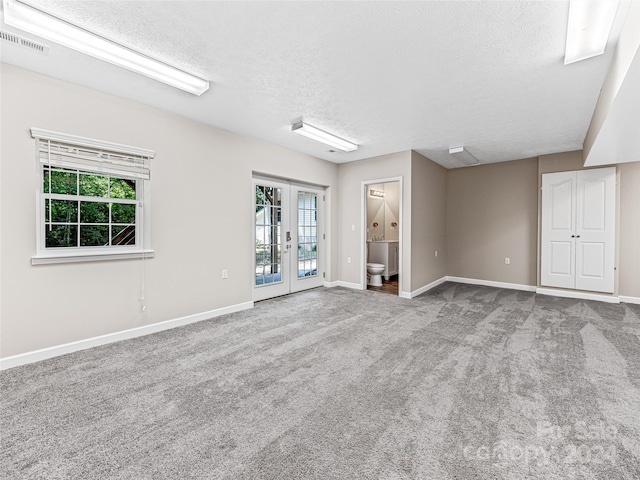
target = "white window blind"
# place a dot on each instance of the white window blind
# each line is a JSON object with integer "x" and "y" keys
{"x": 61, "y": 150}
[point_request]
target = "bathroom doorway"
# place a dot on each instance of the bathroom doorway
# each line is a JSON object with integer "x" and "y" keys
{"x": 382, "y": 235}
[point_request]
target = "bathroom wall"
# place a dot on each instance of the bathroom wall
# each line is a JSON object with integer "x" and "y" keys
{"x": 351, "y": 242}
{"x": 385, "y": 211}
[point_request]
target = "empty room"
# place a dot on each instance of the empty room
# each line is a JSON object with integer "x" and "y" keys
{"x": 320, "y": 239}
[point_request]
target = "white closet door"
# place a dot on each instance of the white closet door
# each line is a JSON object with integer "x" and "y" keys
{"x": 578, "y": 229}
{"x": 558, "y": 227}
{"x": 595, "y": 229}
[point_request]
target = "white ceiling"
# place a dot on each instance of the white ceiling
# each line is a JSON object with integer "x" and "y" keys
{"x": 390, "y": 76}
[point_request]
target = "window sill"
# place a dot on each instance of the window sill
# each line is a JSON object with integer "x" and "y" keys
{"x": 76, "y": 257}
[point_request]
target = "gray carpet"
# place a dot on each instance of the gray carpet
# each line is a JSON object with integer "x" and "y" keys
{"x": 463, "y": 382}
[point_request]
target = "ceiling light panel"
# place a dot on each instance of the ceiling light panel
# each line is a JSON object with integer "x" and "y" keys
{"x": 26, "y": 17}
{"x": 323, "y": 137}
{"x": 590, "y": 23}
{"x": 462, "y": 155}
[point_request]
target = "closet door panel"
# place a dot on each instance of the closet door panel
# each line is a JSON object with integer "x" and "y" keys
{"x": 595, "y": 229}
{"x": 560, "y": 263}
{"x": 558, "y": 226}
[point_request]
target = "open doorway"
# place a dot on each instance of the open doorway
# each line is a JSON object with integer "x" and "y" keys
{"x": 382, "y": 235}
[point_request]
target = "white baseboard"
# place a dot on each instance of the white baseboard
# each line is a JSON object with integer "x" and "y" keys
{"x": 547, "y": 291}
{"x": 355, "y": 286}
{"x": 50, "y": 352}
{"x": 577, "y": 294}
{"x": 491, "y": 283}
{"x": 331, "y": 284}
{"x": 625, "y": 299}
{"x": 421, "y": 290}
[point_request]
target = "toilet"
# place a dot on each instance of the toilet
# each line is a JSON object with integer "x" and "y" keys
{"x": 375, "y": 274}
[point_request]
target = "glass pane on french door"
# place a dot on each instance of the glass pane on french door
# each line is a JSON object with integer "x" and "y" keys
{"x": 268, "y": 234}
{"x": 307, "y": 234}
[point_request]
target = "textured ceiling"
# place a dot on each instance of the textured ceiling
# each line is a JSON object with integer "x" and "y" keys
{"x": 390, "y": 76}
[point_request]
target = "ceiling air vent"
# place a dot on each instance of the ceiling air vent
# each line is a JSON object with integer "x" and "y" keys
{"x": 23, "y": 42}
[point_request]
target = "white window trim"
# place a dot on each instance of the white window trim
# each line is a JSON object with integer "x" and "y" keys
{"x": 46, "y": 259}
{"x": 87, "y": 254}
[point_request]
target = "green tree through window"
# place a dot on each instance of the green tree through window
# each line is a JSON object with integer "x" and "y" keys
{"x": 83, "y": 209}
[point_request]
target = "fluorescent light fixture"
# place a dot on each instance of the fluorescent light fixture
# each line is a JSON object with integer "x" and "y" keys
{"x": 590, "y": 23}
{"x": 464, "y": 156}
{"x": 376, "y": 193}
{"x": 323, "y": 137}
{"x": 20, "y": 14}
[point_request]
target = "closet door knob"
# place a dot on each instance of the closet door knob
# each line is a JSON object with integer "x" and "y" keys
{"x": 573, "y": 236}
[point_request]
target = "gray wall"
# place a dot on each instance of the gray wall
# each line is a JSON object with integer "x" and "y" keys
{"x": 492, "y": 214}
{"x": 428, "y": 221}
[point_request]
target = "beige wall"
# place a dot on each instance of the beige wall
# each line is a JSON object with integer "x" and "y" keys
{"x": 350, "y": 236}
{"x": 428, "y": 221}
{"x": 492, "y": 214}
{"x": 201, "y": 216}
{"x": 559, "y": 162}
{"x": 629, "y": 257}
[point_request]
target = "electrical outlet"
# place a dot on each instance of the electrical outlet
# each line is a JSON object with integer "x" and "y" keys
{"x": 348, "y": 259}
{"x": 507, "y": 261}
{"x": 225, "y": 274}
{"x": 353, "y": 228}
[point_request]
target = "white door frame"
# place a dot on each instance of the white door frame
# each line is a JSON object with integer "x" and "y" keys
{"x": 363, "y": 229}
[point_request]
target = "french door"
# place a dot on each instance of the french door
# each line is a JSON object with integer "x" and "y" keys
{"x": 288, "y": 238}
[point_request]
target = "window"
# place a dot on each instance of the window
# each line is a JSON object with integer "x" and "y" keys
{"x": 93, "y": 199}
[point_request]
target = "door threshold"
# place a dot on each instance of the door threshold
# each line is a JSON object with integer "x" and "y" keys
{"x": 582, "y": 295}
